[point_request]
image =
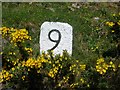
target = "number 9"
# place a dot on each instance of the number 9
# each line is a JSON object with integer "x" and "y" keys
{"x": 57, "y": 41}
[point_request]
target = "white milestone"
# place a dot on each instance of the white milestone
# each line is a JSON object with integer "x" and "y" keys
{"x": 56, "y": 36}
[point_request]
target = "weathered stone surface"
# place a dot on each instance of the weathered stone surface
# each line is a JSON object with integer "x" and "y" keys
{"x": 61, "y": 35}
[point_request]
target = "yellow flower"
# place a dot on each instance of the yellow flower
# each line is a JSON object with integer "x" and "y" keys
{"x": 29, "y": 50}
{"x": 101, "y": 66}
{"x": 34, "y": 63}
{"x": 23, "y": 77}
{"x": 1, "y": 53}
{"x": 57, "y": 61}
{"x": 111, "y": 62}
{"x": 49, "y": 62}
{"x": 53, "y": 72}
{"x": 107, "y": 23}
{"x": 5, "y": 31}
{"x": 59, "y": 84}
{"x": 13, "y": 69}
{"x": 11, "y": 75}
{"x": 104, "y": 71}
{"x": 38, "y": 71}
{"x": 20, "y": 35}
{"x": 53, "y": 65}
{"x": 118, "y": 22}
{"x": 119, "y": 65}
{"x": 82, "y": 80}
{"x": 110, "y": 24}
{"x": 101, "y": 60}
{"x": 112, "y": 65}
{"x": 114, "y": 15}
{"x": 82, "y": 67}
{"x": 105, "y": 66}
{"x": 77, "y": 61}
{"x": 5, "y": 75}
{"x": 88, "y": 85}
{"x": 28, "y": 69}
{"x": 113, "y": 31}
{"x": 73, "y": 85}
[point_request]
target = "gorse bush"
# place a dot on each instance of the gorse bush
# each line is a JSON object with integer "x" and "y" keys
{"x": 24, "y": 71}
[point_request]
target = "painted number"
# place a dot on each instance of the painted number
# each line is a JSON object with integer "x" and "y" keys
{"x": 56, "y": 41}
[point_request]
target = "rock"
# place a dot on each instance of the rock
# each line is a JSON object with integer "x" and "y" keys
{"x": 56, "y": 36}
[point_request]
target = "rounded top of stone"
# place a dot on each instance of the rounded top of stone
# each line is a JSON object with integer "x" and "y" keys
{"x": 59, "y": 23}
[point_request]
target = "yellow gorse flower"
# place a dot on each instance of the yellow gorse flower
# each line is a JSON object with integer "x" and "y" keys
{"x": 13, "y": 69}
{"x": 112, "y": 65}
{"x": 118, "y": 22}
{"x": 20, "y": 36}
{"x": 16, "y": 35}
{"x": 23, "y": 77}
{"x": 72, "y": 66}
{"x": 34, "y": 63}
{"x": 82, "y": 80}
{"x": 5, "y": 76}
{"x": 119, "y": 65}
{"x": 101, "y": 66}
{"x": 53, "y": 72}
{"x": 82, "y": 67}
{"x": 110, "y": 24}
{"x": 113, "y": 14}
{"x": 101, "y": 60}
{"x": 29, "y": 50}
{"x": 73, "y": 85}
{"x": 113, "y": 31}
{"x": 6, "y": 31}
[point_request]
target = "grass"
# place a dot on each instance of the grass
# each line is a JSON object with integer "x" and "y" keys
{"x": 85, "y": 36}
{"x": 92, "y": 40}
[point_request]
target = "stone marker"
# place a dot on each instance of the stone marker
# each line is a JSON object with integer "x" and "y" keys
{"x": 56, "y": 36}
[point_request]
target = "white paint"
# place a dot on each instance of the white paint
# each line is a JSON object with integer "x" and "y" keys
{"x": 66, "y": 37}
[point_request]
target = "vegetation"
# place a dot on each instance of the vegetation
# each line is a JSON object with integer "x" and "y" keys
{"x": 94, "y": 63}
